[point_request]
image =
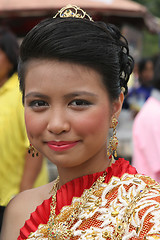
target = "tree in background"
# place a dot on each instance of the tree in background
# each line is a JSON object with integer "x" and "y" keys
{"x": 152, "y": 5}
{"x": 151, "y": 41}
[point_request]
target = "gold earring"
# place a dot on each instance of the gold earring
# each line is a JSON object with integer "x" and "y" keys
{"x": 113, "y": 142}
{"x": 32, "y": 150}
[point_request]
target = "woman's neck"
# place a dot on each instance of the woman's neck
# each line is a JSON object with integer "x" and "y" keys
{"x": 68, "y": 174}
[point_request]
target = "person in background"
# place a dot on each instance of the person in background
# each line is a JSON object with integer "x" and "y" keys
{"x": 73, "y": 74}
{"x": 146, "y": 132}
{"x": 139, "y": 94}
{"x": 18, "y": 169}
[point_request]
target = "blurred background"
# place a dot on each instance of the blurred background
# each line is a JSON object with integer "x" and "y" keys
{"x": 138, "y": 19}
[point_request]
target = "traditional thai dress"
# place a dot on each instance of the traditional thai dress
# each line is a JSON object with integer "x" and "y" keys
{"x": 126, "y": 206}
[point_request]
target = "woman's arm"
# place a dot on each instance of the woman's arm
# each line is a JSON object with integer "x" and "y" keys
{"x": 14, "y": 217}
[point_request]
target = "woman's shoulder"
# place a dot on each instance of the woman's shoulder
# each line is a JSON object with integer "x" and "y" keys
{"x": 27, "y": 201}
{"x": 20, "y": 208}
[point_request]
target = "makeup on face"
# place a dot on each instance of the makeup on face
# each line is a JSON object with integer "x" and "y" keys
{"x": 67, "y": 112}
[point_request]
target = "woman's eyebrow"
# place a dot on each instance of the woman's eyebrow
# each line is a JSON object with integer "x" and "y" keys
{"x": 80, "y": 93}
{"x": 68, "y": 95}
{"x": 36, "y": 94}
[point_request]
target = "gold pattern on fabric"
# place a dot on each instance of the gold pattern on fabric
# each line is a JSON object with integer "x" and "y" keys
{"x": 127, "y": 208}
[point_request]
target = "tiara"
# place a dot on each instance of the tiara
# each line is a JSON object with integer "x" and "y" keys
{"x": 72, "y": 11}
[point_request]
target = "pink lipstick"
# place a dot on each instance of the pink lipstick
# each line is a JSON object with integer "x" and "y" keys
{"x": 61, "y": 146}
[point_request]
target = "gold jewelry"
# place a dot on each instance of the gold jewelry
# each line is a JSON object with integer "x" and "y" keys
{"x": 72, "y": 11}
{"x": 113, "y": 142}
{"x": 32, "y": 150}
{"x": 61, "y": 230}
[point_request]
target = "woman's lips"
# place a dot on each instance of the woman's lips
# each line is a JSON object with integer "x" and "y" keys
{"x": 62, "y": 145}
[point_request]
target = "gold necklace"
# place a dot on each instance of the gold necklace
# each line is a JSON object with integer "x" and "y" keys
{"x": 59, "y": 230}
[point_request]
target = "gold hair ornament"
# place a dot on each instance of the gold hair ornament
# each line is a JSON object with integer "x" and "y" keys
{"x": 72, "y": 11}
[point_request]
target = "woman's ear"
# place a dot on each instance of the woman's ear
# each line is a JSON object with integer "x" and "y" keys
{"x": 117, "y": 105}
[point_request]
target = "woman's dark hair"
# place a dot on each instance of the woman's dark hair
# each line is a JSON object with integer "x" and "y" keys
{"x": 9, "y": 45}
{"x": 94, "y": 44}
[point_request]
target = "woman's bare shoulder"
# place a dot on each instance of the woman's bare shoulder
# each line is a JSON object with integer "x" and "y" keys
{"x": 20, "y": 208}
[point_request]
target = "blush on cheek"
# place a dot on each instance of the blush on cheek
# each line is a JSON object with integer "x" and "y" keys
{"x": 32, "y": 125}
{"x": 29, "y": 125}
{"x": 94, "y": 122}
{"x": 35, "y": 124}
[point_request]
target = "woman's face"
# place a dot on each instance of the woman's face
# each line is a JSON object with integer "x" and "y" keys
{"x": 67, "y": 112}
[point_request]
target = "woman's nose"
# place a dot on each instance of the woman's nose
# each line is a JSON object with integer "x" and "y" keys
{"x": 58, "y": 122}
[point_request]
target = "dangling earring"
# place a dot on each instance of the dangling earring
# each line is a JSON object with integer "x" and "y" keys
{"x": 32, "y": 150}
{"x": 113, "y": 142}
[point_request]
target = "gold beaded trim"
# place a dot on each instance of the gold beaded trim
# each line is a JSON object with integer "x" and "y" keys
{"x": 121, "y": 221}
{"x": 61, "y": 230}
{"x": 72, "y": 11}
{"x": 130, "y": 210}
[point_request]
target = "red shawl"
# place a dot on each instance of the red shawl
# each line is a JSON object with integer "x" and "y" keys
{"x": 69, "y": 190}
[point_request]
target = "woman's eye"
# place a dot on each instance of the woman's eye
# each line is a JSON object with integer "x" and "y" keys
{"x": 38, "y": 103}
{"x": 80, "y": 103}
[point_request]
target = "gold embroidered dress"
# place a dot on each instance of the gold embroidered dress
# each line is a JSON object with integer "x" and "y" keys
{"x": 126, "y": 205}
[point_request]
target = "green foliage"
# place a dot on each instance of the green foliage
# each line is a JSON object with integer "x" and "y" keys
{"x": 151, "y": 41}
{"x": 152, "y": 5}
{"x": 150, "y": 44}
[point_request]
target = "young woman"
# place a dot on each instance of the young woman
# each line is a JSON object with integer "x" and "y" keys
{"x": 73, "y": 74}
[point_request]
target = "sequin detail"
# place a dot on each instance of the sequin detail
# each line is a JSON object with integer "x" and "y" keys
{"x": 126, "y": 208}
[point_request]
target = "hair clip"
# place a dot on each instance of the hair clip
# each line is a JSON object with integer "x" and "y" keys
{"x": 72, "y": 11}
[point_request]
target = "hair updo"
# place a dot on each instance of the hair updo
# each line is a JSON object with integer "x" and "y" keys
{"x": 97, "y": 45}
